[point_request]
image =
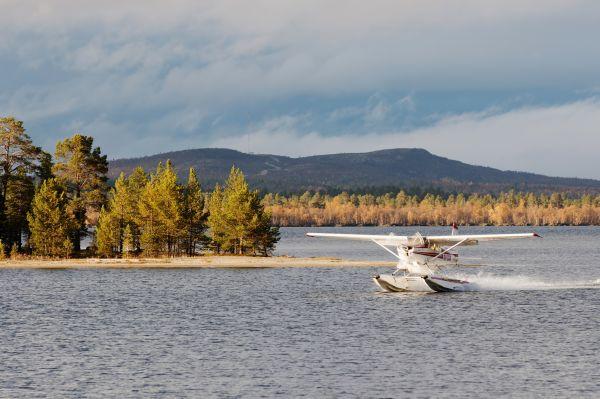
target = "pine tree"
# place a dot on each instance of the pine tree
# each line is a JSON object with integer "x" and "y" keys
{"x": 171, "y": 216}
{"x": 236, "y": 212}
{"x": 239, "y": 210}
{"x": 49, "y": 221}
{"x": 122, "y": 211}
{"x": 216, "y": 222}
{"x": 18, "y": 202}
{"x": 107, "y": 234}
{"x": 148, "y": 217}
{"x": 19, "y": 160}
{"x": 82, "y": 170}
{"x": 264, "y": 236}
{"x": 238, "y": 222}
{"x": 193, "y": 215}
{"x": 136, "y": 184}
{"x": 160, "y": 215}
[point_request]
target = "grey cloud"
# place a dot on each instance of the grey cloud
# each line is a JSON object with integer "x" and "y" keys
{"x": 146, "y": 76}
{"x": 558, "y": 140}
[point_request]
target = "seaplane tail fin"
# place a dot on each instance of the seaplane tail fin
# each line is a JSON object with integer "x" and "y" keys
{"x": 379, "y": 238}
{"x": 454, "y": 229}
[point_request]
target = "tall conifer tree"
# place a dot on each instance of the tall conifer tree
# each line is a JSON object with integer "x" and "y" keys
{"x": 49, "y": 221}
{"x": 121, "y": 211}
{"x": 237, "y": 211}
{"x": 19, "y": 195}
{"x": 108, "y": 234}
{"x": 238, "y": 222}
{"x": 264, "y": 234}
{"x": 216, "y": 221}
{"x": 193, "y": 215}
{"x": 160, "y": 213}
{"x": 19, "y": 162}
{"x": 82, "y": 169}
{"x": 136, "y": 184}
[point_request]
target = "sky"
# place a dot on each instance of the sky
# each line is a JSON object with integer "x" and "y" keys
{"x": 509, "y": 84}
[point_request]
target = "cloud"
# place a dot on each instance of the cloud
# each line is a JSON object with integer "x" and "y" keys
{"x": 145, "y": 76}
{"x": 267, "y": 49}
{"x": 558, "y": 140}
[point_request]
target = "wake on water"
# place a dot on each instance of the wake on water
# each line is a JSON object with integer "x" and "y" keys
{"x": 490, "y": 282}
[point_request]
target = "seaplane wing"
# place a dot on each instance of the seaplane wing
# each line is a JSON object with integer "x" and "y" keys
{"x": 474, "y": 239}
{"x": 378, "y": 238}
{"x": 463, "y": 239}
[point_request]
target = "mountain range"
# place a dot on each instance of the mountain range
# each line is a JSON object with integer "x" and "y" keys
{"x": 376, "y": 171}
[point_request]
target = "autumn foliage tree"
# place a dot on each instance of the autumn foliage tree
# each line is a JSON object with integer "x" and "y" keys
{"x": 511, "y": 208}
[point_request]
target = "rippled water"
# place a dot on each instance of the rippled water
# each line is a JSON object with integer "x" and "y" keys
{"x": 534, "y": 330}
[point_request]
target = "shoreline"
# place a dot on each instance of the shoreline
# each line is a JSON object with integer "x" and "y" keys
{"x": 205, "y": 262}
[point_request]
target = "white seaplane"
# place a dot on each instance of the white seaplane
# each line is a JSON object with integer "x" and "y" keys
{"x": 420, "y": 258}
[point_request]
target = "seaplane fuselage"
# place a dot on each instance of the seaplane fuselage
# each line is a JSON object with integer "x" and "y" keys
{"x": 431, "y": 257}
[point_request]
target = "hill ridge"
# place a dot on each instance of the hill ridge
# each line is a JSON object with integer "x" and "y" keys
{"x": 394, "y": 167}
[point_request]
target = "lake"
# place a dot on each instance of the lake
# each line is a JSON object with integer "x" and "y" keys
{"x": 532, "y": 331}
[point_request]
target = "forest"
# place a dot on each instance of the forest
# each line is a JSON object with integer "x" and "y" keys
{"x": 401, "y": 209}
{"x": 49, "y": 204}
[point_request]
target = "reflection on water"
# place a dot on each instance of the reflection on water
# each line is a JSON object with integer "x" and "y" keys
{"x": 309, "y": 332}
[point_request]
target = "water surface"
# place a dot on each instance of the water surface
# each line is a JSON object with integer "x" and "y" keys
{"x": 533, "y": 331}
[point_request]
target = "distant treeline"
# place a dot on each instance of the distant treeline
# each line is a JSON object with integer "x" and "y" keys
{"x": 511, "y": 208}
{"x": 49, "y": 204}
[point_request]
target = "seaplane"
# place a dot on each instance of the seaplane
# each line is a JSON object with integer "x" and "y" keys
{"x": 422, "y": 259}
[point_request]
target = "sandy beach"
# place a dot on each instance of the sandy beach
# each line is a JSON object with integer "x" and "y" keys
{"x": 189, "y": 262}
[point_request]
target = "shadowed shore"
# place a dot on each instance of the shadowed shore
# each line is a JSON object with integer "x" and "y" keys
{"x": 190, "y": 262}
